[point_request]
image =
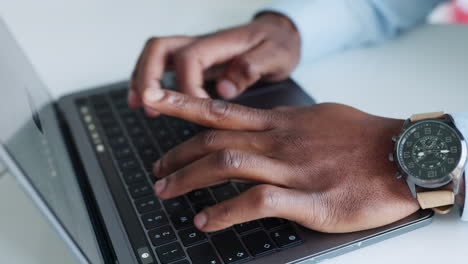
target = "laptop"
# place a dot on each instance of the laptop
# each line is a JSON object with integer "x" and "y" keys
{"x": 86, "y": 159}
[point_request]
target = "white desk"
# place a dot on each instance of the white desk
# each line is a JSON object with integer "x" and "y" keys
{"x": 77, "y": 44}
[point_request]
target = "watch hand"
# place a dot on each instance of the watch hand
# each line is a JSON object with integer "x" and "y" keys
{"x": 444, "y": 151}
{"x": 420, "y": 154}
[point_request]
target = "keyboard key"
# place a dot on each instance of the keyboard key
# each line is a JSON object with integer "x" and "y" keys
{"x": 147, "y": 204}
{"x": 141, "y": 142}
{"x": 286, "y": 237}
{"x": 139, "y": 190}
{"x": 244, "y": 186}
{"x": 258, "y": 243}
{"x": 154, "y": 219}
{"x": 224, "y": 192}
{"x": 170, "y": 253}
{"x": 177, "y": 205}
{"x": 229, "y": 247}
{"x": 133, "y": 176}
{"x": 271, "y": 223}
{"x": 130, "y": 119}
{"x": 198, "y": 196}
{"x": 118, "y": 141}
{"x": 128, "y": 164}
{"x": 198, "y": 207}
{"x": 203, "y": 254}
{"x": 123, "y": 152}
{"x": 136, "y": 130}
{"x": 182, "y": 262}
{"x": 162, "y": 235}
{"x": 113, "y": 131}
{"x": 191, "y": 236}
{"x": 246, "y": 227}
{"x": 168, "y": 144}
{"x": 182, "y": 220}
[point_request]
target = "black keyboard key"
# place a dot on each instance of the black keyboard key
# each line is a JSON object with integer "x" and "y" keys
{"x": 118, "y": 141}
{"x": 170, "y": 253}
{"x": 168, "y": 144}
{"x": 203, "y": 254}
{"x": 285, "y": 237}
{"x": 177, "y": 205}
{"x": 142, "y": 142}
{"x": 130, "y": 119}
{"x": 244, "y": 186}
{"x": 113, "y": 131}
{"x": 246, "y": 227}
{"x": 154, "y": 219}
{"x": 199, "y": 196}
{"x": 191, "y": 236}
{"x": 124, "y": 152}
{"x": 148, "y": 154}
{"x": 182, "y": 262}
{"x": 270, "y": 223}
{"x": 147, "y": 204}
{"x": 139, "y": 190}
{"x": 128, "y": 164}
{"x": 133, "y": 176}
{"x": 224, "y": 192}
{"x": 258, "y": 243}
{"x": 198, "y": 207}
{"x": 229, "y": 247}
{"x": 136, "y": 131}
{"x": 162, "y": 235}
{"x": 182, "y": 220}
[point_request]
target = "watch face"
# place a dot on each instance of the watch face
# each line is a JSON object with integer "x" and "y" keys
{"x": 429, "y": 150}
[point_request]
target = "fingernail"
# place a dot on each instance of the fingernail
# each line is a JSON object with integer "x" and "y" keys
{"x": 200, "y": 220}
{"x": 159, "y": 186}
{"x": 153, "y": 95}
{"x": 156, "y": 168}
{"x": 227, "y": 89}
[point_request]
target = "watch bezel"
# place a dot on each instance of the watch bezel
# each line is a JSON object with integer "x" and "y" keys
{"x": 436, "y": 183}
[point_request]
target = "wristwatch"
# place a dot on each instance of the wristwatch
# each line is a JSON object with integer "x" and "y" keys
{"x": 431, "y": 156}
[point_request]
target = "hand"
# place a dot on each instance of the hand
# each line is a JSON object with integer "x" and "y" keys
{"x": 268, "y": 48}
{"x": 325, "y": 166}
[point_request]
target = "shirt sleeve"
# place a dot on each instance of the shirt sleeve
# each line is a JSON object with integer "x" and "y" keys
{"x": 461, "y": 121}
{"x": 328, "y": 26}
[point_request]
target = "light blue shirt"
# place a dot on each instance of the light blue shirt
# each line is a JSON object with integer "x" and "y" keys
{"x": 329, "y": 26}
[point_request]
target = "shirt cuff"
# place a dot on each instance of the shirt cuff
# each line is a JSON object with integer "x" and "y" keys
{"x": 461, "y": 122}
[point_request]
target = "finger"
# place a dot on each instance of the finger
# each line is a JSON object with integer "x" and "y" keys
{"x": 192, "y": 61}
{"x": 153, "y": 62}
{"x": 205, "y": 143}
{"x": 258, "y": 202}
{"x": 210, "y": 113}
{"x": 259, "y": 62}
{"x": 219, "y": 167}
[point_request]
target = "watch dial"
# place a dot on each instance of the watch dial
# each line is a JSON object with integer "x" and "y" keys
{"x": 429, "y": 150}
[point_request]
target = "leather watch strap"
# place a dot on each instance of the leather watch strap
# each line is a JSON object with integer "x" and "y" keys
{"x": 434, "y": 115}
{"x": 440, "y": 201}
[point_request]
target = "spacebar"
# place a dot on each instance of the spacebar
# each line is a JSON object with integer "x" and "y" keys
{"x": 127, "y": 214}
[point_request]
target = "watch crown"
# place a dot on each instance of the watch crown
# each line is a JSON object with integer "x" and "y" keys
{"x": 391, "y": 157}
{"x": 395, "y": 139}
{"x": 398, "y": 175}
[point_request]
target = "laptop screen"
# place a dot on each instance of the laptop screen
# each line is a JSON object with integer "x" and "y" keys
{"x": 30, "y": 133}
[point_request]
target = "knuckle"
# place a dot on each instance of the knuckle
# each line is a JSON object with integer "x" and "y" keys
{"x": 248, "y": 70}
{"x": 266, "y": 198}
{"x": 217, "y": 109}
{"x": 223, "y": 212}
{"x": 209, "y": 138}
{"x": 229, "y": 159}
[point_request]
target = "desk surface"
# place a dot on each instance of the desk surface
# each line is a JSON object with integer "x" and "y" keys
{"x": 78, "y": 44}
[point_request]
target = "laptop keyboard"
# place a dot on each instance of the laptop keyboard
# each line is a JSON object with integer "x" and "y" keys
{"x": 136, "y": 142}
